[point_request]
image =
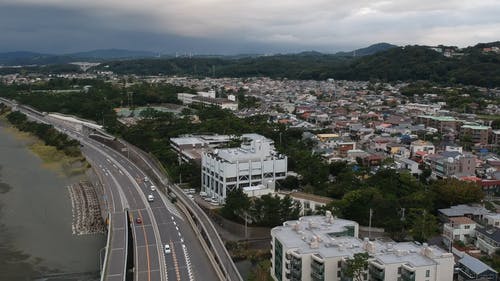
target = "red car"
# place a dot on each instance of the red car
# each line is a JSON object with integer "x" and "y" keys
{"x": 138, "y": 220}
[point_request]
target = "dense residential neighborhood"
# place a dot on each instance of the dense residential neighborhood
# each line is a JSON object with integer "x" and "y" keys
{"x": 363, "y": 132}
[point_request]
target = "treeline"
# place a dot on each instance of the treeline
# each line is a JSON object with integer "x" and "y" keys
{"x": 402, "y": 204}
{"x": 408, "y": 63}
{"x": 96, "y": 103}
{"x": 45, "y": 132}
{"x": 267, "y": 210}
{"x": 42, "y": 69}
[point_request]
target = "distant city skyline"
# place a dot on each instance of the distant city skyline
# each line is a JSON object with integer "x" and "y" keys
{"x": 235, "y": 27}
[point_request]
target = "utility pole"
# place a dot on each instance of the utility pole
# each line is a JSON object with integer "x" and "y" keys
{"x": 370, "y": 225}
{"x": 180, "y": 170}
{"x": 423, "y": 224}
{"x": 246, "y": 225}
{"x": 403, "y": 219}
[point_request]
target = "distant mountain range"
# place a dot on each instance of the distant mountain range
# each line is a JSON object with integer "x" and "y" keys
{"x": 382, "y": 62}
{"x": 370, "y": 50}
{"x": 33, "y": 58}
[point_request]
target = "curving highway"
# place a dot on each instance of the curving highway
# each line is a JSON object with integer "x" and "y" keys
{"x": 127, "y": 188}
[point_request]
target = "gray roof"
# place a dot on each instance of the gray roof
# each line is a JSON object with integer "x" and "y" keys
{"x": 475, "y": 265}
{"x": 490, "y": 232}
{"x": 453, "y": 154}
{"x": 461, "y": 210}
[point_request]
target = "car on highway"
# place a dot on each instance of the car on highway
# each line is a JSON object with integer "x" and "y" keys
{"x": 153, "y": 188}
{"x": 167, "y": 249}
{"x": 151, "y": 198}
{"x": 138, "y": 220}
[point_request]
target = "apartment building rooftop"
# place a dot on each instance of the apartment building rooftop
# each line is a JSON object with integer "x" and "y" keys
{"x": 327, "y": 236}
{"x": 476, "y": 127}
{"x": 439, "y": 118}
{"x": 254, "y": 147}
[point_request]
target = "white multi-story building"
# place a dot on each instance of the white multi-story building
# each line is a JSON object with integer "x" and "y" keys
{"x": 253, "y": 167}
{"x": 459, "y": 229}
{"x": 317, "y": 248}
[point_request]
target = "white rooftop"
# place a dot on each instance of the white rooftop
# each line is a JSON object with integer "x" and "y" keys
{"x": 255, "y": 148}
{"x": 317, "y": 235}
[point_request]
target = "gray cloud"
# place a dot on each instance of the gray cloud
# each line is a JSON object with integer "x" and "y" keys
{"x": 225, "y": 26}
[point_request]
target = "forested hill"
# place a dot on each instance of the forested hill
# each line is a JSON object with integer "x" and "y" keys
{"x": 470, "y": 66}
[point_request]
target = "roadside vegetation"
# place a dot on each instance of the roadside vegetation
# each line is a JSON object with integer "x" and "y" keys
{"x": 55, "y": 149}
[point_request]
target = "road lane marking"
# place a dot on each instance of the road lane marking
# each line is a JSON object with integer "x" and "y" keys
{"x": 147, "y": 247}
{"x": 176, "y": 264}
{"x": 188, "y": 262}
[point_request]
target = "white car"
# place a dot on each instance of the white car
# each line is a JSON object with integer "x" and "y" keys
{"x": 153, "y": 188}
{"x": 167, "y": 249}
{"x": 151, "y": 198}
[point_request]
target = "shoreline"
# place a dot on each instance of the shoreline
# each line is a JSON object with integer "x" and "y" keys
{"x": 52, "y": 158}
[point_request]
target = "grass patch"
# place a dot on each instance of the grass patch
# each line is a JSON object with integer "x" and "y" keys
{"x": 56, "y": 160}
{"x": 52, "y": 158}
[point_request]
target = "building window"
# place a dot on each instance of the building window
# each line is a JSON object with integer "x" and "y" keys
{"x": 231, "y": 179}
{"x": 427, "y": 273}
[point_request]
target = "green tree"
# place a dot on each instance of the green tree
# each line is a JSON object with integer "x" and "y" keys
{"x": 289, "y": 183}
{"x": 453, "y": 191}
{"x": 236, "y": 204}
{"x": 356, "y": 266}
{"x": 422, "y": 224}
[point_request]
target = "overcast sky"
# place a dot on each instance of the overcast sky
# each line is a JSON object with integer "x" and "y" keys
{"x": 242, "y": 26}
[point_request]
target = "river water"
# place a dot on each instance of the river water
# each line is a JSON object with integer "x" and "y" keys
{"x": 35, "y": 218}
